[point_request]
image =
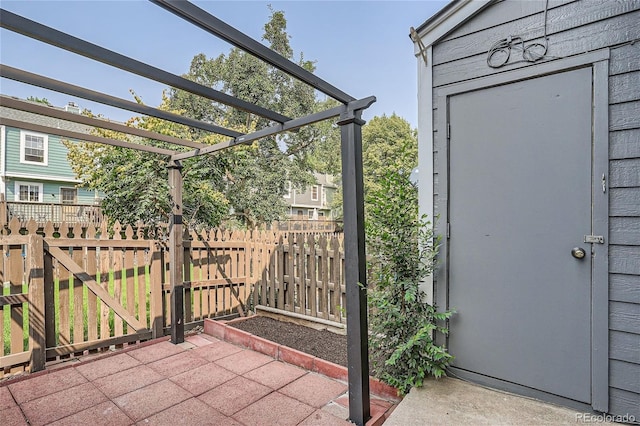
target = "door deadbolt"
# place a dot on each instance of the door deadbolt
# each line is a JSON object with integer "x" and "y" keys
{"x": 578, "y": 252}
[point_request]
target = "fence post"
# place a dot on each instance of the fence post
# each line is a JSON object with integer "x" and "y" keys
{"x": 37, "y": 340}
{"x": 176, "y": 253}
{"x": 156, "y": 291}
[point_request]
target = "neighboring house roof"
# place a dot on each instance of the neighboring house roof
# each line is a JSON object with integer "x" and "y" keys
{"x": 41, "y": 120}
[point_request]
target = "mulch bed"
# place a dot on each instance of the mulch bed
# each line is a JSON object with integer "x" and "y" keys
{"x": 319, "y": 343}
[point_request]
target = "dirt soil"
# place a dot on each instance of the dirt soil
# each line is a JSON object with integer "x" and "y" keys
{"x": 319, "y": 343}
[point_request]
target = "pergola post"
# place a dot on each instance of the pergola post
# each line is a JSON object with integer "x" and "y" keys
{"x": 355, "y": 266}
{"x": 176, "y": 253}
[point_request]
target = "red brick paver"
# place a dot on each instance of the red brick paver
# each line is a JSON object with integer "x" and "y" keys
{"x": 244, "y": 361}
{"x": 151, "y": 399}
{"x": 61, "y": 404}
{"x": 203, "y": 379}
{"x": 191, "y": 411}
{"x": 203, "y": 382}
{"x": 234, "y": 395}
{"x": 105, "y": 414}
{"x": 314, "y": 389}
{"x": 46, "y": 384}
{"x": 275, "y": 409}
{"x": 275, "y": 374}
{"x": 107, "y": 366}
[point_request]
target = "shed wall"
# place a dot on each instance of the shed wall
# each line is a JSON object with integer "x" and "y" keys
{"x": 576, "y": 27}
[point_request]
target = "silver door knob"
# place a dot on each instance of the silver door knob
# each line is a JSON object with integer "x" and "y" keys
{"x": 578, "y": 252}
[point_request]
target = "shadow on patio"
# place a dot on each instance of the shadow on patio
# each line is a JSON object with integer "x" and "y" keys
{"x": 203, "y": 381}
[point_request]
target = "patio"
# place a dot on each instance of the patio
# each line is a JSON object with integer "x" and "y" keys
{"x": 203, "y": 381}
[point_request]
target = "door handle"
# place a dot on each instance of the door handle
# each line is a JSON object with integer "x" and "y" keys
{"x": 578, "y": 252}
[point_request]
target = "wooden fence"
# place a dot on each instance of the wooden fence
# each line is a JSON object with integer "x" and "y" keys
{"x": 72, "y": 290}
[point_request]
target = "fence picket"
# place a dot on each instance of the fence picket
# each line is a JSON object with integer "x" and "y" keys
{"x": 116, "y": 271}
{"x": 15, "y": 275}
{"x": 92, "y": 301}
{"x": 313, "y": 275}
{"x": 78, "y": 299}
{"x": 105, "y": 261}
{"x": 129, "y": 282}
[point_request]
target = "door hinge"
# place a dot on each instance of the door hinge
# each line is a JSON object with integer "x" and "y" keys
{"x": 448, "y": 131}
{"x": 595, "y": 239}
{"x": 448, "y": 230}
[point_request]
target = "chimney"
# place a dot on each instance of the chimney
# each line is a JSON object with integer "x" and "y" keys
{"x": 72, "y": 108}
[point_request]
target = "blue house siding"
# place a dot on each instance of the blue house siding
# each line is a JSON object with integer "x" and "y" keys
{"x": 51, "y": 190}
{"x": 57, "y": 164}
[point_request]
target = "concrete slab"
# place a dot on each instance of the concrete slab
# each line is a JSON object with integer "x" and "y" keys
{"x": 450, "y": 401}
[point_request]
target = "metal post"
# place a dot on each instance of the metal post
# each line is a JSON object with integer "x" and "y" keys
{"x": 355, "y": 267}
{"x": 176, "y": 253}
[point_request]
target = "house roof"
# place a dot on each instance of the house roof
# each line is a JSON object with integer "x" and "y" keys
{"x": 41, "y": 120}
{"x": 450, "y": 17}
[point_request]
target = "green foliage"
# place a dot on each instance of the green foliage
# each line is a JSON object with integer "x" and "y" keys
{"x": 402, "y": 248}
{"x": 246, "y": 180}
{"x": 389, "y": 144}
{"x": 39, "y": 100}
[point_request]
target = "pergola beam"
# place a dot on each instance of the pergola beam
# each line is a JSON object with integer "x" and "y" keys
{"x": 35, "y": 30}
{"x": 279, "y": 128}
{"x": 199, "y": 17}
{"x": 93, "y": 122}
{"x": 27, "y": 77}
{"x": 82, "y": 136}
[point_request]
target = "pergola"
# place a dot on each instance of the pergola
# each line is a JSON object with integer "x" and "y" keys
{"x": 350, "y": 122}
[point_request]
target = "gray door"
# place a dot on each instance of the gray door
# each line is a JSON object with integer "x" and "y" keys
{"x": 519, "y": 201}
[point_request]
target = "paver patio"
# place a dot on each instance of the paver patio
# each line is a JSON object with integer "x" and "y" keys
{"x": 204, "y": 381}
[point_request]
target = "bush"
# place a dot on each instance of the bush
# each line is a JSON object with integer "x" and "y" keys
{"x": 402, "y": 250}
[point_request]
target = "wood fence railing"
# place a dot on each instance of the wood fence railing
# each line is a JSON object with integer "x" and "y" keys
{"x": 67, "y": 290}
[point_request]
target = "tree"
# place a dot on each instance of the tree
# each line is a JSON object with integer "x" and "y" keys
{"x": 249, "y": 180}
{"x": 389, "y": 145}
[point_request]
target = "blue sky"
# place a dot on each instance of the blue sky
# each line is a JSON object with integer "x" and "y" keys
{"x": 362, "y": 47}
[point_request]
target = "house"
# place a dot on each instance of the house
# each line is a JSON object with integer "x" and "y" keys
{"x": 529, "y": 153}
{"x": 314, "y": 203}
{"x": 36, "y": 180}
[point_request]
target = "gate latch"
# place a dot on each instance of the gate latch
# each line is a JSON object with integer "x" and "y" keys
{"x": 596, "y": 239}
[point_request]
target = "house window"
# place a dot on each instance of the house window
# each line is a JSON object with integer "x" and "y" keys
{"x": 314, "y": 193}
{"x": 33, "y": 148}
{"x": 324, "y": 196}
{"x": 287, "y": 190}
{"x": 68, "y": 195}
{"x": 310, "y": 214}
{"x": 26, "y": 191}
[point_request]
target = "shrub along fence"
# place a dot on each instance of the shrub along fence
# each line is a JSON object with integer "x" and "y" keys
{"x": 69, "y": 291}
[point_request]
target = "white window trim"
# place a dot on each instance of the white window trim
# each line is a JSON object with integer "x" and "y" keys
{"x": 45, "y": 138}
{"x": 16, "y": 190}
{"x": 317, "y": 190}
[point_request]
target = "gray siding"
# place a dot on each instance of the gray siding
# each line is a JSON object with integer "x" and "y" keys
{"x": 576, "y": 27}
